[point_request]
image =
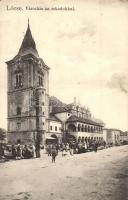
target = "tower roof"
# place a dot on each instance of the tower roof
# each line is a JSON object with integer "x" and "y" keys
{"x": 28, "y": 45}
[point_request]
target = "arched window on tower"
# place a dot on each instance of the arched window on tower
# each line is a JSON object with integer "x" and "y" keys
{"x": 41, "y": 79}
{"x": 18, "y": 80}
{"x": 18, "y": 110}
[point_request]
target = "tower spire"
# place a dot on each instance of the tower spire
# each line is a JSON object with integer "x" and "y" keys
{"x": 28, "y": 21}
{"x": 28, "y": 45}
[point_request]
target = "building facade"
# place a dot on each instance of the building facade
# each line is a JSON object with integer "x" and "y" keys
{"x": 84, "y": 129}
{"x": 124, "y": 137}
{"x": 28, "y": 90}
{"x": 32, "y": 114}
{"x": 112, "y": 136}
{"x": 77, "y": 121}
{"x": 54, "y": 129}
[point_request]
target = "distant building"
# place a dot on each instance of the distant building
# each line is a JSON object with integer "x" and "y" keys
{"x": 111, "y": 136}
{"x": 124, "y": 136}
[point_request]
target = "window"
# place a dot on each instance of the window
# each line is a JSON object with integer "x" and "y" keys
{"x": 41, "y": 80}
{"x": 55, "y": 128}
{"x": 92, "y": 129}
{"x": 86, "y": 129}
{"x": 18, "y": 125}
{"x": 51, "y": 128}
{"x": 79, "y": 128}
{"x": 82, "y": 128}
{"x": 19, "y": 80}
{"x": 18, "y": 111}
{"x": 89, "y": 129}
{"x": 31, "y": 100}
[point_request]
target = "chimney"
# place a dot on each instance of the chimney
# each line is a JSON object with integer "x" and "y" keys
{"x": 74, "y": 100}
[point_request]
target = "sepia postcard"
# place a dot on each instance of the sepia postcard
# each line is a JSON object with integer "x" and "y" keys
{"x": 64, "y": 100}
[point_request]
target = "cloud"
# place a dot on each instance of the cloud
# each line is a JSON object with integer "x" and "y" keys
{"x": 85, "y": 28}
{"x": 119, "y": 81}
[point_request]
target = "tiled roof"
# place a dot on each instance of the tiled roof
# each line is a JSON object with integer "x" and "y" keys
{"x": 53, "y": 118}
{"x": 74, "y": 118}
{"x": 57, "y": 105}
{"x": 60, "y": 109}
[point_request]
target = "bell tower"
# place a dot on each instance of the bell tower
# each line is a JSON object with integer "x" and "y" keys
{"x": 28, "y": 93}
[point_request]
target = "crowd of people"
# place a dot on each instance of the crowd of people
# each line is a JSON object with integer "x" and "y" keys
{"x": 19, "y": 151}
{"x": 72, "y": 148}
{"x": 26, "y": 151}
{"x": 52, "y": 149}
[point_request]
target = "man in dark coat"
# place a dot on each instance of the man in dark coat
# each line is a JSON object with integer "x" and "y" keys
{"x": 54, "y": 153}
{"x": 14, "y": 152}
{"x": 95, "y": 146}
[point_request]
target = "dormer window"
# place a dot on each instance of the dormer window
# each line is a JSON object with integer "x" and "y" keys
{"x": 19, "y": 80}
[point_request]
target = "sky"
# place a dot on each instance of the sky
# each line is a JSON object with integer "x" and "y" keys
{"x": 86, "y": 50}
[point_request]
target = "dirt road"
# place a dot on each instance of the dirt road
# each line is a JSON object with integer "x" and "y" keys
{"x": 90, "y": 176}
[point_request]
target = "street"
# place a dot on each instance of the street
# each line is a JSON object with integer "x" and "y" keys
{"x": 101, "y": 175}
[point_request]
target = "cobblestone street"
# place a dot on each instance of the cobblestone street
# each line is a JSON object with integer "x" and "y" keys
{"x": 100, "y": 176}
